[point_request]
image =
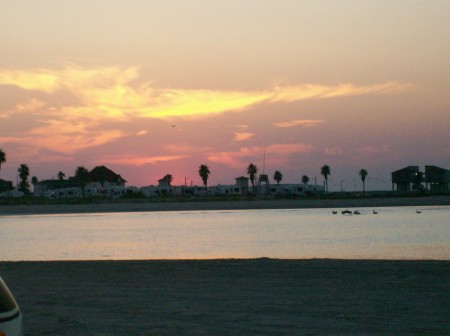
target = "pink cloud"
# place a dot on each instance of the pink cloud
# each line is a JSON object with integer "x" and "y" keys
{"x": 240, "y": 158}
{"x": 370, "y": 150}
{"x": 289, "y": 148}
{"x": 333, "y": 151}
{"x": 131, "y": 160}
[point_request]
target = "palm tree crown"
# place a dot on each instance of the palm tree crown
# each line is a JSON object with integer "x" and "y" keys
{"x": 363, "y": 173}
{"x": 204, "y": 172}
{"x": 305, "y": 179}
{"x": 2, "y": 157}
{"x": 61, "y": 175}
{"x": 82, "y": 177}
{"x": 252, "y": 169}
{"x": 24, "y": 172}
{"x": 277, "y": 176}
{"x": 325, "y": 171}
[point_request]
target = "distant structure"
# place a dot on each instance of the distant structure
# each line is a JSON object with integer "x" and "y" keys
{"x": 411, "y": 180}
{"x": 242, "y": 182}
{"x": 437, "y": 179}
{"x": 102, "y": 181}
{"x": 263, "y": 181}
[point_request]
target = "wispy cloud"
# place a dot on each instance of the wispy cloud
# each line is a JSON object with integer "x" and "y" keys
{"x": 238, "y": 158}
{"x": 114, "y": 94}
{"x": 370, "y": 150}
{"x": 142, "y": 132}
{"x": 334, "y": 151}
{"x": 289, "y": 148}
{"x": 134, "y": 160}
{"x": 300, "y": 122}
{"x": 241, "y": 136}
{"x": 314, "y": 91}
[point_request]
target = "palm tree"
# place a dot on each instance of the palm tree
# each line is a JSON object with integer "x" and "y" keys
{"x": 168, "y": 178}
{"x": 24, "y": 172}
{"x": 2, "y": 157}
{"x": 277, "y": 176}
{"x": 325, "y": 171}
{"x": 82, "y": 177}
{"x": 61, "y": 175}
{"x": 204, "y": 172}
{"x": 363, "y": 173}
{"x": 252, "y": 170}
{"x": 305, "y": 179}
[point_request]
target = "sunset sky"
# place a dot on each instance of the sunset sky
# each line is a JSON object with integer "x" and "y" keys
{"x": 150, "y": 87}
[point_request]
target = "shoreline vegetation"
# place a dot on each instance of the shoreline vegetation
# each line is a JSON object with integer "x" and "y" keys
{"x": 33, "y": 206}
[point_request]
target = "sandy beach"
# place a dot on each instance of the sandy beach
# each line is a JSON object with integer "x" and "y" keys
{"x": 232, "y": 297}
{"x": 171, "y": 205}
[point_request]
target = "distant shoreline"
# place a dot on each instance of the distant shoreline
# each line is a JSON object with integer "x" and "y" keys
{"x": 204, "y": 205}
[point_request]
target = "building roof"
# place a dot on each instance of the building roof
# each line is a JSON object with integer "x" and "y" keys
{"x": 409, "y": 169}
{"x": 410, "y": 174}
{"x": 103, "y": 174}
{"x": 435, "y": 174}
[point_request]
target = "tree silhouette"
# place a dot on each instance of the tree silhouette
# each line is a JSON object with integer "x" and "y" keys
{"x": 277, "y": 176}
{"x": 204, "y": 172}
{"x": 363, "y": 173}
{"x": 82, "y": 177}
{"x": 305, "y": 179}
{"x": 325, "y": 171}
{"x": 2, "y": 157}
{"x": 61, "y": 175}
{"x": 24, "y": 172}
{"x": 252, "y": 170}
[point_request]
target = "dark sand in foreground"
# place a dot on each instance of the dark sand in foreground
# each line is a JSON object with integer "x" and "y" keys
{"x": 232, "y": 297}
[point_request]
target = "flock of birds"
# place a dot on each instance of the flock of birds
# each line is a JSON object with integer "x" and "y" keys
{"x": 357, "y": 212}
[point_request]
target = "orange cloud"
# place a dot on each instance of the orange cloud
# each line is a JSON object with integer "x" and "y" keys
{"x": 64, "y": 137}
{"x": 110, "y": 92}
{"x": 142, "y": 160}
{"x": 79, "y": 101}
{"x": 142, "y": 132}
{"x": 301, "y": 122}
{"x": 241, "y": 136}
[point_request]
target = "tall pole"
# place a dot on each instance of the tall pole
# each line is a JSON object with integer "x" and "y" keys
{"x": 264, "y": 162}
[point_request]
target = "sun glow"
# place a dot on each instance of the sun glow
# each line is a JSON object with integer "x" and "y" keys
{"x": 111, "y": 94}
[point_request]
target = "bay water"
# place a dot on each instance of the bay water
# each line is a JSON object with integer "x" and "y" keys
{"x": 391, "y": 233}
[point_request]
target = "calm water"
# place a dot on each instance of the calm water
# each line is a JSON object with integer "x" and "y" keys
{"x": 393, "y": 233}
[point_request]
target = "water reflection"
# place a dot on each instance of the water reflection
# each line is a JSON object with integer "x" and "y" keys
{"x": 394, "y": 233}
